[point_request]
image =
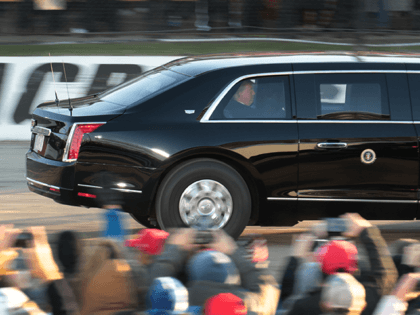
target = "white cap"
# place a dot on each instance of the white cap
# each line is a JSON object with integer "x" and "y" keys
{"x": 343, "y": 291}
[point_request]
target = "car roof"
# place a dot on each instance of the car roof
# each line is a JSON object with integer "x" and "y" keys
{"x": 193, "y": 66}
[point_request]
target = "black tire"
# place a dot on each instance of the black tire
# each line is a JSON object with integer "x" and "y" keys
{"x": 144, "y": 220}
{"x": 176, "y": 181}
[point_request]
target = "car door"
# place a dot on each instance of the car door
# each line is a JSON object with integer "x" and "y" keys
{"x": 358, "y": 147}
{"x": 261, "y": 128}
{"x": 413, "y": 74}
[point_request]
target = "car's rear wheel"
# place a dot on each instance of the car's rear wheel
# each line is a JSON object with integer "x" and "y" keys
{"x": 204, "y": 190}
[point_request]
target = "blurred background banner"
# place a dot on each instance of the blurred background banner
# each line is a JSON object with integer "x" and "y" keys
{"x": 232, "y": 16}
{"x": 25, "y": 82}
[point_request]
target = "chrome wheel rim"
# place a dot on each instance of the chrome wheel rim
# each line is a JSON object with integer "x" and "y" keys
{"x": 207, "y": 200}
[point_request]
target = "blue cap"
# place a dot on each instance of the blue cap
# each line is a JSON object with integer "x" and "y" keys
{"x": 212, "y": 266}
{"x": 167, "y": 294}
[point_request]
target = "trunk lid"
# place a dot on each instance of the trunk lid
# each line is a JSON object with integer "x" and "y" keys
{"x": 51, "y": 124}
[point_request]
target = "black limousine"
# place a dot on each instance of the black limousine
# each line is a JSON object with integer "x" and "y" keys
{"x": 246, "y": 139}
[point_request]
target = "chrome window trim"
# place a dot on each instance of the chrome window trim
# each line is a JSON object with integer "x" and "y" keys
{"x": 32, "y": 181}
{"x": 41, "y": 131}
{"x": 206, "y": 117}
{"x": 219, "y": 98}
{"x": 344, "y": 200}
{"x": 119, "y": 189}
{"x": 408, "y": 122}
{"x": 294, "y": 121}
{"x": 70, "y": 138}
{"x": 347, "y": 71}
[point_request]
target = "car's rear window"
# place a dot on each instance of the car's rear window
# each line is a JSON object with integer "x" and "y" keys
{"x": 142, "y": 87}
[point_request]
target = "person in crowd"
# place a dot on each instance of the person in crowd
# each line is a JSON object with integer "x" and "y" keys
{"x": 108, "y": 283}
{"x": 149, "y": 243}
{"x": 308, "y": 280}
{"x": 70, "y": 254}
{"x": 221, "y": 267}
{"x": 404, "y": 255}
{"x": 242, "y": 103}
{"x": 342, "y": 256}
{"x": 28, "y": 291}
{"x": 112, "y": 201}
{"x": 342, "y": 294}
{"x": 169, "y": 296}
{"x": 302, "y": 246}
{"x": 397, "y": 301}
{"x": 225, "y": 304}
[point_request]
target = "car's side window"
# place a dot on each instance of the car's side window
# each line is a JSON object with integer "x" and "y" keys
{"x": 347, "y": 96}
{"x": 255, "y": 99}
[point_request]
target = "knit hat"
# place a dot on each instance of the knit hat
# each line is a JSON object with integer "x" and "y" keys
{"x": 212, "y": 266}
{"x": 149, "y": 241}
{"x": 336, "y": 255}
{"x": 308, "y": 277}
{"x": 167, "y": 294}
{"x": 224, "y": 304}
{"x": 343, "y": 292}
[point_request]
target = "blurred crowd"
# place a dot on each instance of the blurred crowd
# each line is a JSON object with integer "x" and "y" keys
{"x": 185, "y": 272}
{"x": 87, "y": 16}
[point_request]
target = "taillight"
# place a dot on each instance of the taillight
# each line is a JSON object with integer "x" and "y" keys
{"x": 75, "y": 138}
{"x": 86, "y": 195}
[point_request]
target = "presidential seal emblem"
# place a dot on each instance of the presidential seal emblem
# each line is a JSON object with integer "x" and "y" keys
{"x": 368, "y": 156}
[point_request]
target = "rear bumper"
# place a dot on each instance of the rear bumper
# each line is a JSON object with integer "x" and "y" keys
{"x": 49, "y": 178}
{"x": 58, "y": 194}
{"x": 63, "y": 182}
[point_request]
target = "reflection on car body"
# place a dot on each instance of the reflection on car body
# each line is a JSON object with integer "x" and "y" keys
{"x": 222, "y": 136}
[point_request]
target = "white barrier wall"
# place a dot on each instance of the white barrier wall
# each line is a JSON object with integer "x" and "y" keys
{"x": 25, "y": 82}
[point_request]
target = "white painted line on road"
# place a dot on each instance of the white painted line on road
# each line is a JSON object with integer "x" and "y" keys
{"x": 236, "y": 39}
{"x": 232, "y": 39}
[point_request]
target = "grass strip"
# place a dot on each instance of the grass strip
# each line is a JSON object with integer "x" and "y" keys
{"x": 162, "y": 48}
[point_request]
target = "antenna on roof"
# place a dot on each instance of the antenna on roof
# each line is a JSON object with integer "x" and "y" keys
{"x": 57, "y": 101}
{"x": 68, "y": 95}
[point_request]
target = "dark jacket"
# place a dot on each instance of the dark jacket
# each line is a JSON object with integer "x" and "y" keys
{"x": 235, "y": 109}
{"x": 378, "y": 281}
{"x": 259, "y": 290}
{"x": 288, "y": 279}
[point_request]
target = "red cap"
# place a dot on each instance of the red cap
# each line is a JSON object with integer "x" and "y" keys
{"x": 336, "y": 255}
{"x": 225, "y": 304}
{"x": 149, "y": 241}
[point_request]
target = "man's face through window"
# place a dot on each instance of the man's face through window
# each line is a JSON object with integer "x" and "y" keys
{"x": 245, "y": 94}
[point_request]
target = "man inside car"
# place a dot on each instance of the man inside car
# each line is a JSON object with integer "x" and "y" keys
{"x": 242, "y": 103}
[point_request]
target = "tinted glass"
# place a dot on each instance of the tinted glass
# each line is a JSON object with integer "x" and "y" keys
{"x": 351, "y": 96}
{"x": 255, "y": 99}
{"x": 342, "y": 96}
{"x": 142, "y": 87}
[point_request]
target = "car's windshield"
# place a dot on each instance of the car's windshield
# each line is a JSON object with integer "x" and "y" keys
{"x": 142, "y": 87}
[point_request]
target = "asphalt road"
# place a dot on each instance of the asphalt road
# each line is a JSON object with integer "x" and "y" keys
{"x": 22, "y": 208}
{"x": 12, "y": 167}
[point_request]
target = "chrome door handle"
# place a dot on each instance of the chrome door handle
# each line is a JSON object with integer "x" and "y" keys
{"x": 332, "y": 145}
